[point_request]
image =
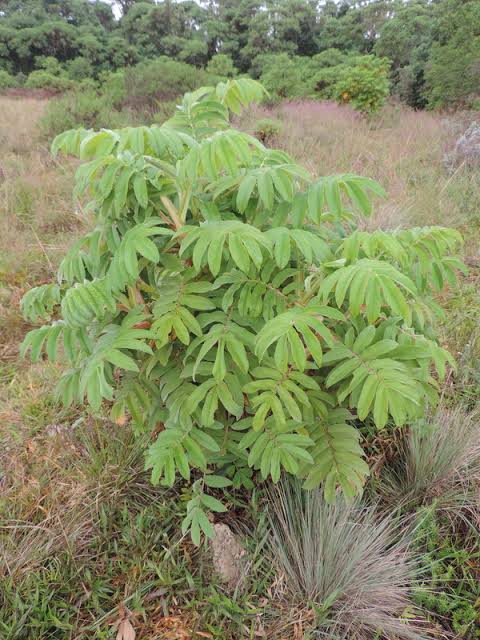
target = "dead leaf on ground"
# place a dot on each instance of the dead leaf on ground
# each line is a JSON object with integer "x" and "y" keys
{"x": 125, "y": 630}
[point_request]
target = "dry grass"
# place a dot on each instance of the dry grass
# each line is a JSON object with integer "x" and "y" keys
{"x": 402, "y": 149}
{"x": 37, "y": 216}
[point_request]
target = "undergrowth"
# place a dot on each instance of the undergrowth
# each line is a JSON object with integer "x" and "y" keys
{"x": 449, "y": 587}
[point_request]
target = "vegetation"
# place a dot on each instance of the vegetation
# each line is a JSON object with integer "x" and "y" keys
{"x": 348, "y": 562}
{"x": 433, "y": 46}
{"x": 364, "y": 85}
{"x": 89, "y": 547}
{"x": 222, "y": 274}
{"x": 448, "y": 586}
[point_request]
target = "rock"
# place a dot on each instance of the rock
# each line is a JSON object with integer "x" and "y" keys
{"x": 466, "y": 150}
{"x": 229, "y": 561}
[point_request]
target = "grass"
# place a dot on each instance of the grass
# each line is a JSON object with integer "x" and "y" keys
{"x": 83, "y": 533}
{"x": 437, "y": 460}
{"x": 402, "y": 149}
{"x": 448, "y": 586}
{"x": 87, "y": 544}
{"x": 345, "y": 563}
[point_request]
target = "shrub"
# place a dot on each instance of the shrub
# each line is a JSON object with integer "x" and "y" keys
{"x": 82, "y": 108}
{"x": 345, "y": 562}
{"x": 6, "y": 80}
{"x": 162, "y": 79}
{"x": 113, "y": 86}
{"x": 324, "y": 70}
{"x": 43, "y": 80}
{"x": 364, "y": 85}
{"x": 221, "y": 65}
{"x": 226, "y": 302}
{"x": 49, "y": 64}
{"x": 267, "y": 129}
{"x": 80, "y": 68}
{"x": 281, "y": 77}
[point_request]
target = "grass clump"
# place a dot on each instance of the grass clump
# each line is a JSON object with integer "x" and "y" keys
{"x": 437, "y": 460}
{"x": 345, "y": 566}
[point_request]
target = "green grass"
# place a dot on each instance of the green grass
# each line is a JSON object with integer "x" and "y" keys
{"x": 82, "y": 531}
{"x": 449, "y": 586}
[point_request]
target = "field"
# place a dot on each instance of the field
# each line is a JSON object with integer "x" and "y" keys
{"x": 88, "y": 547}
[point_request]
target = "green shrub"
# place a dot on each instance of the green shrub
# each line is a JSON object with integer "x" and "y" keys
{"x": 159, "y": 80}
{"x": 113, "y": 86}
{"x": 226, "y": 302}
{"x": 221, "y": 65}
{"x": 323, "y": 70}
{"x": 365, "y": 85}
{"x": 43, "y": 80}
{"x": 281, "y": 77}
{"x": 85, "y": 108}
{"x": 79, "y": 69}
{"x": 267, "y": 129}
{"x": 7, "y": 81}
{"x": 49, "y": 64}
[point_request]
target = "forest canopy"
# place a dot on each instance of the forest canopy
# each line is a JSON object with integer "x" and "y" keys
{"x": 433, "y": 45}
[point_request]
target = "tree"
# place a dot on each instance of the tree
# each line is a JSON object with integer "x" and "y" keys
{"x": 406, "y": 39}
{"x": 453, "y": 68}
{"x": 226, "y": 304}
{"x": 221, "y": 65}
{"x": 364, "y": 84}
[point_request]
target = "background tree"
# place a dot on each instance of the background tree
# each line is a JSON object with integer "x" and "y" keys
{"x": 433, "y": 45}
{"x": 453, "y": 66}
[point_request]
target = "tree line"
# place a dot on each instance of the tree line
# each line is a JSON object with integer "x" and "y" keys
{"x": 433, "y": 45}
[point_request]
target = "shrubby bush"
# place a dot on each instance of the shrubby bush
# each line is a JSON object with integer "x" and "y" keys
{"x": 162, "y": 79}
{"x": 80, "y": 69}
{"x": 227, "y": 304}
{"x": 281, "y": 77}
{"x": 113, "y": 86}
{"x": 221, "y": 65}
{"x": 324, "y": 70}
{"x": 7, "y": 81}
{"x": 85, "y": 107}
{"x": 364, "y": 85}
{"x": 41, "y": 79}
{"x": 267, "y": 129}
{"x": 330, "y": 75}
{"x": 49, "y": 64}
{"x": 49, "y": 75}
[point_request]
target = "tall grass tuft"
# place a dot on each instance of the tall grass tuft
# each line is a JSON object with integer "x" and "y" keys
{"x": 437, "y": 461}
{"x": 344, "y": 562}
